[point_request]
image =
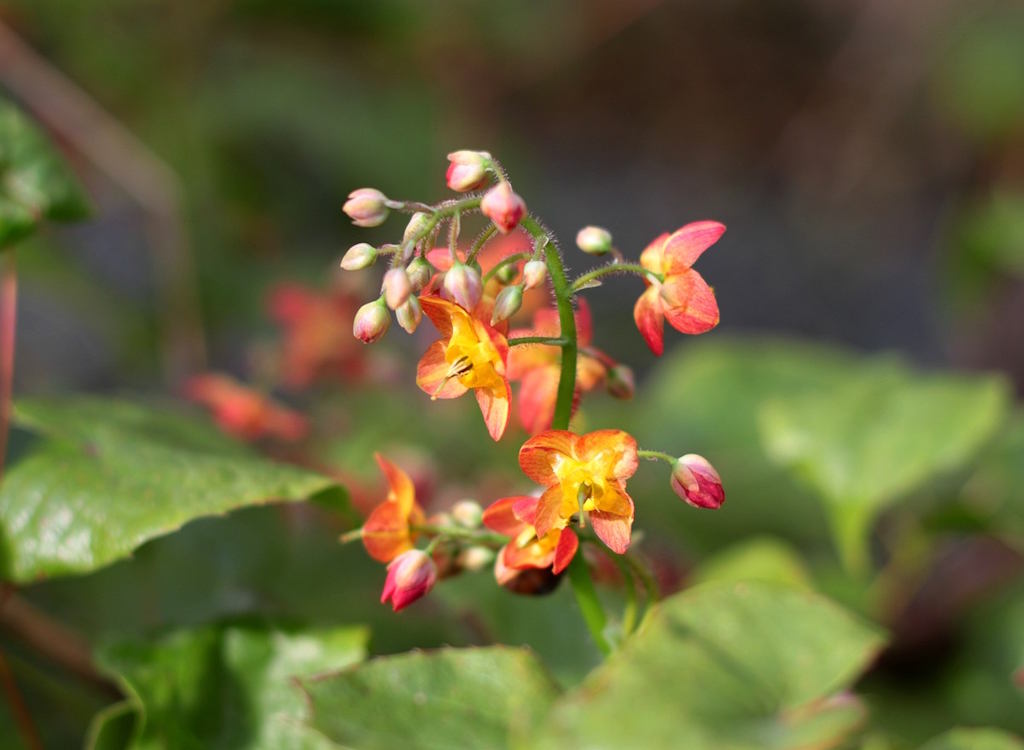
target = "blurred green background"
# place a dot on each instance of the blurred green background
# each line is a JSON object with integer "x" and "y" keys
{"x": 867, "y": 158}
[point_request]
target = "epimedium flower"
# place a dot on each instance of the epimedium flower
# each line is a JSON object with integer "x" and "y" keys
{"x": 695, "y": 480}
{"x": 410, "y": 576}
{"x": 470, "y": 355}
{"x": 584, "y": 475}
{"x": 514, "y": 517}
{"x": 388, "y": 532}
{"x": 537, "y": 367}
{"x": 681, "y": 296}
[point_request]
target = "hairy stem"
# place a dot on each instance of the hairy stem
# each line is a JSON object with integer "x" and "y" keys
{"x": 549, "y": 340}
{"x": 611, "y": 268}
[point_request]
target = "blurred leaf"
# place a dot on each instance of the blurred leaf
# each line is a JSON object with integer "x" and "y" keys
{"x": 975, "y": 739}
{"x": 111, "y": 475}
{"x": 226, "y": 687}
{"x": 877, "y": 435}
{"x": 452, "y": 698}
{"x": 765, "y": 559}
{"x": 34, "y": 182}
{"x": 996, "y": 489}
{"x": 749, "y": 666}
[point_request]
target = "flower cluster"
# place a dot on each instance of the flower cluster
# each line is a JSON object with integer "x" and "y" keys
{"x": 472, "y": 294}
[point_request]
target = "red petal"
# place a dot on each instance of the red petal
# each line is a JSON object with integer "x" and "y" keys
{"x": 440, "y": 312}
{"x": 539, "y": 452}
{"x": 584, "y": 322}
{"x": 689, "y": 303}
{"x": 549, "y": 511}
{"x": 386, "y": 532}
{"x": 400, "y": 487}
{"x": 652, "y": 258}
{"x": 537, "y": 396}
{"x": 494, "y": 405}
{"x": 612, "y": 529}
{"x": 500, "y": 516}
{"x": 688, "y": 243}
{"x": 650, "y": 320}
{"x": 525, "y": 509}
{"x": 568, "y": 543}
{"x": 431, "y": 372}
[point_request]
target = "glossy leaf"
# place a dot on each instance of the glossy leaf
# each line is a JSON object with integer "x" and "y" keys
{"x": 110, "y": 475}
{"x": 478, "y": 698}
{"x": 223, "y": 687}
{"x": 726, "y": 667}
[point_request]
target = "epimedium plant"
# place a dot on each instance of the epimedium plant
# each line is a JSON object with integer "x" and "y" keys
{"x": 582, "y": 495}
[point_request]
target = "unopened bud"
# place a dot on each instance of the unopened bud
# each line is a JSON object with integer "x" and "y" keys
{"x": 620, "y": 382}
{"x": 534, "y": 273}
{"x": 419, "y": 272}
{"x": 410, "y": 314}
{"x": 475, "y": 558}
{"x": 358, "y": 257}
{"x": 462, "y": 286}
{"x": 695, "y": 480}
{"x": 468, "y": 513}
{"x": 410, "y": 576}
{"x": 397, "y": 287}
{"x": 509, "y": 300}
{"x": 366, "y": 207}
{"x": 467, "y": 170}
{"x": 507, "y": 273}
{"x": 502, "y": 206}
{"x": 594, "y": 240}
{"x": 415, "y": 228}
{"x": 371, "y": 321}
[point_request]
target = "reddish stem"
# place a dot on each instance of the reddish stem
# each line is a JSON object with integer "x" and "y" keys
{"x": 8, "y": 318}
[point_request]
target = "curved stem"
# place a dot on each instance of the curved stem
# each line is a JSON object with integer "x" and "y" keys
{"x": 611, "y": 268}
{"x": 657, "y": 456}
{"x": 514, "y": 258}
{"x": 457, "y": 532}
{"x": 22, "y": 718}
{"x": 549, "y": 340}
{"x": 8, "y": 318}
{"x": 590, "y": 605}
{"x": 480, "y": 241}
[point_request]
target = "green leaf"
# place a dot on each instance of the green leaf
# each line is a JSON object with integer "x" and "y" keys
{"x": 748, "y": 666}
{"x": 762, "y": 559}
{"x": 111, "y": 475}
{"x": 879, "y": 434}
{"x": 975, "y": 739}
{"x": 223, "y": 687}
{"x": 34, "y": 182}
{"x": 477, "y": 698}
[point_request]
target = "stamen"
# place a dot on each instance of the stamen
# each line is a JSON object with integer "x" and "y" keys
{"x": 460, "y": 366}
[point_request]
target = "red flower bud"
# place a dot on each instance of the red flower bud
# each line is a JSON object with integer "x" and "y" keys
{"x": 621, "y": 382}
{"x": 371, "y": 322}
{"x": 462, "y": 285}
{"x": 409, "y": 315}
{"x": 410, "y": 576}
{"x": 696, "y": 481}
{"x": 359, "y": 257}
{"x": 503, "y": 207}
{"x": 397, "y": 287}
{"x": 366, "y": 207}
{"x": 594, "y": 240}
{"x": 468, "y": 170}
{"x": 509, "y": 300}
{"x": 534, "y": 273}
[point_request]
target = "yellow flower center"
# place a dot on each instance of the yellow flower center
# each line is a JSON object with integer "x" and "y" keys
{"x": 473, "y": 360}
{"x": 588, "y": 485}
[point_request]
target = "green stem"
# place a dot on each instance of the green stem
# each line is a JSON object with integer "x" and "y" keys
{"x": 459, "y": 532}
{"x": 514, "y": 258}
{"x": 611, "y": 268}
{"x": 550, "y": 340}
{"x": 657, "y": 456}
{"x": 480, "y": 242}
{"x": 590, "y": 605}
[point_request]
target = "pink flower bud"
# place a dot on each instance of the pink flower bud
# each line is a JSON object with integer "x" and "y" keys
{"x": 397, "y": 287}
{"x": 594, "y": 240}
{"x": 409, "y": 315}
{"x": 509, "y": 300}
{"x": 462, "y": 285}
{"x": 468, "y": 170}
{"x": 621, "y": 382}
{"x": 696, "y": 481}
{"x": 366, "y": 207}
{"x": 419, "y": 272}
{"x": 359, "y": 257}
{"x": 371, "y": 321}
{"x": 410, "y": 576}
{"x": 534, "y": 273}
{"x": 468, "y": 513}
{"x": 503, "y": 207}
{"x": 415, "y": 228}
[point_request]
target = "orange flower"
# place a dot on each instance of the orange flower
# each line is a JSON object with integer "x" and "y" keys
{"x": 538, "y": 367}
{"x": 470, "y": 356}
{"x": 584, "y": 474}
{"x": 244, "y": 412}
{"x": 387, "y": 533}
{"x": 513, "y": 517}
{"x": 682, "y": 296}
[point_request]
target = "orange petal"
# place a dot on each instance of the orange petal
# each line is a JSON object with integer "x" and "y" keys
{"x": 687, "y": 244}
{"x": 432, "y": 371}
{"x": 494, "y": 405}
{"x": 440, "y": 311}
{"x": 618, "y": 442}
{"x": 386, "y": 532}
{"x": 502, "y": 572}
{"x": 613, "y": 529}
{"x": 441, "y": 257}
{"x": 568, "y": 543}
{"x": 500, "y": 516}
{"x": 584, "y": 322}
{"x": 400, "y": 487}
{"x": 653, "y": 255}
{"x": 537, "y": 396}
{"x": 689, "y": 303}
{"x": 539, "y": 553}
{"x": 539, "y": 452}
{"x": 589, "y": 372}
{"x": 545, "y": 322}
{"x": 549, "y": 511}
{"x": 525, "y": 509}
{"x": 650, "y": 320}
